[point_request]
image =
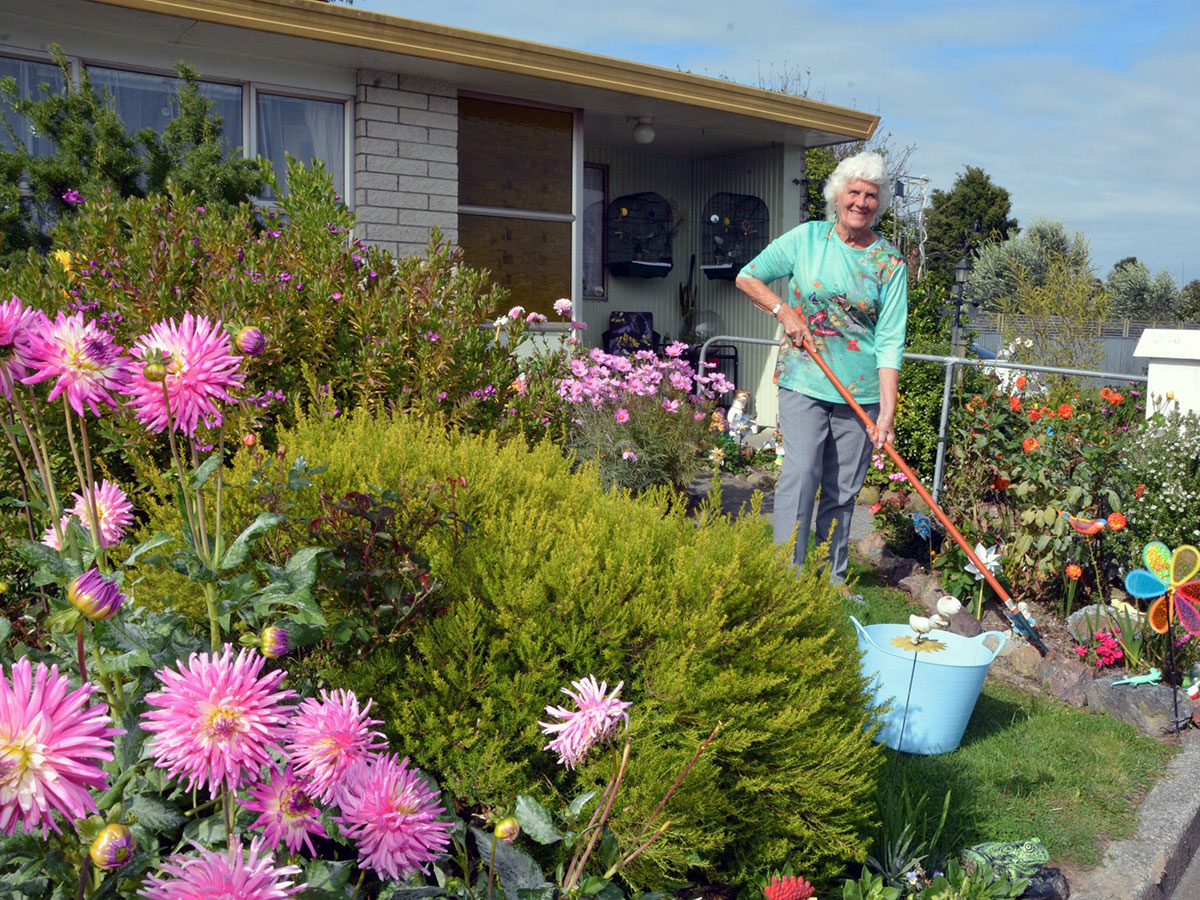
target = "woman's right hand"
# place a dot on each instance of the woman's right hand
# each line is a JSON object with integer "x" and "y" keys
{"x": 795, "y": 326}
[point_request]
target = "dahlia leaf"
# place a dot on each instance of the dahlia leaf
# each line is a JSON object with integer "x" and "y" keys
{"x": 545, "y": 892}
{"x": 241, "y": 547}
{"x": 579, "y": 803}
{"x": 203, "y": 472}
{"x": 515, "y": 868}
{"x": 156, "y": 815}
{"x": 303, "y": 565}
{"x": 151, "y": 543}
{"x": 536, "y": 820}
{"x": 39, "y": 556}
{"x": 328, "y": 878}
{"x": 396, "y": 891}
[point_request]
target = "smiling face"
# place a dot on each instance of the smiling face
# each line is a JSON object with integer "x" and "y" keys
{"x": 857, "y": 205}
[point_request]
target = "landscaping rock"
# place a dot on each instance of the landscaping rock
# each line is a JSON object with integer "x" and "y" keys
{"x": 1048, "y": 883}
{"x": 1147, "y": 707}
{"x": 966, "y": 624}
{"x": 871, "y": 548}
{"x": 1024, "y": 660}
{"x": 1065, "y": 678}
{"x": 924, "y": 589}
{"x": 1085, "y": 622}
{"x": 762, "y": 481}
{"x": 896, "y": 568}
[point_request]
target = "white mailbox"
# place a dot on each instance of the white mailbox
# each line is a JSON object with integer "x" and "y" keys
{"x": 1173, "y": 357}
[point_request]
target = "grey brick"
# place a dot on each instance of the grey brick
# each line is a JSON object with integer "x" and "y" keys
{"x": 398, "y": 199}
{"x": 443, "y": 170}
{"x": 434, "y": 152}
{"x": 432, "y": 119}
{"x": 373, "y": 78}
{"x": 443, "y": 202}
{"x": 376, "y": 146}
{"x": 426, "y": 185}
{"x": 381, "y": 215}
{"x": 422, "y": 217}
{"x": 405, "y": 233}
{"x": 443, "y": 137}
{"x": 427, "y": 86}
{"x": 394, "y": 132}
{"x": 376, "y": 181}
{"x": 443, "y": 105}
{"x": 405, "y": 99}
{"x": 399, "y": 165}
{"x": 375, "y": 112}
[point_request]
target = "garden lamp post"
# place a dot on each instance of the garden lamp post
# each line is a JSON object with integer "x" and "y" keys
{"x": 962, "y": 271}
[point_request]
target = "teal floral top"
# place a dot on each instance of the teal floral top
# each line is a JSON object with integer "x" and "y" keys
{"x": 856, "y": 303}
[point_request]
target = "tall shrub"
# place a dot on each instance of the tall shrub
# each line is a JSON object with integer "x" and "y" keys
{"x": 704, "y": 622}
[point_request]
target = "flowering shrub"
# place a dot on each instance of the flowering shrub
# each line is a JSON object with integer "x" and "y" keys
{"x": 643, "y": 419}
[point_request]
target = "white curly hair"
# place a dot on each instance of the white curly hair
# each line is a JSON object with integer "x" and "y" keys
{"x": 865, "y": 166}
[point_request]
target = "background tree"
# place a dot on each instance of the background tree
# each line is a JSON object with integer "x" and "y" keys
{"x": 973, "y": 213}
{"x": 1189, "y": 306}
{"x": 1137, "y": 295}
{"x": 1028, "y": 259}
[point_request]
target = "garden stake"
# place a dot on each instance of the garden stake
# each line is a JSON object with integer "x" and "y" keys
{"x": 1017, "y": 616}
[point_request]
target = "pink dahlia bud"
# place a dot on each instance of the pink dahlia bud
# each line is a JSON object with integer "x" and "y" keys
{"x": 113, "y": 847}
{"x": 95, "y": 596}
{"x": 508, "y": 829}
{"x": 251, "y": 341}
{"x": 274, "y": 642}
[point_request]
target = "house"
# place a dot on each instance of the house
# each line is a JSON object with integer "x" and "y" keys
{"x": 565, "y": 173}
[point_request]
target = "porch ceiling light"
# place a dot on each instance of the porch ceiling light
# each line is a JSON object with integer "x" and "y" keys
{"x": 643, "y": 131}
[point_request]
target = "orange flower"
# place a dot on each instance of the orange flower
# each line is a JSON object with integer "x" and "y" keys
{"x": 1139, "y": 490}
{"x": 1030, "y": 444}
{"x": 1073, "y": 571}
{"x": 1115, "y": 399}
{"x": 1066, "y": 410}
{"x": 1047, "y": 412}
{"x": 1021, "y": 382}
{"x": 1116, "y": 521}
{"x": 1001, "y": 483}
{"x": 1033, "y": 414}
{"x": 1014, "y": 403}
{"x": 1105, "y": 391}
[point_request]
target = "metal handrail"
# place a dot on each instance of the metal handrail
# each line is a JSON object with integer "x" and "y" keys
{"x": 950, "y": 363}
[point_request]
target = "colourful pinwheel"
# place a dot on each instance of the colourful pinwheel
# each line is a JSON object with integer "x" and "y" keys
{"x": 1171, "y": 578}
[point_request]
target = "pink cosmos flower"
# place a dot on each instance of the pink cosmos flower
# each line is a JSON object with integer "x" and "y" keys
{"x": 18, "y": 324}
{"x": 562, "y": 306}
{"x": 287, "y": 814}
{"x": 392, "y": 812}
{"x": 328, "y": 737}
{"x": 217, "y": 720}
{"x": 621, "y": 415}
{"x": 88, "y": 367}
{"x": 629, "y": 455}
{"x": 675, "y": 348}
{"x": 670, "y": 405}
{"x": 50, "y": 741}
{"x": 246, "y": 875}
{"x": 596, "y": 720}
{"x": 201, "y": 371}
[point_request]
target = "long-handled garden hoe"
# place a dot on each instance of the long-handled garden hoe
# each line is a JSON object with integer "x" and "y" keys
{"x": 1018, "y": 617}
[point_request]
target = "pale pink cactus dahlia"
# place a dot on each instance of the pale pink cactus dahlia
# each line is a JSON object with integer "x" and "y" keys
{"x": 83, "y": 360}
{"x": 329, "y": 737}
{"x": 596, "y": 720}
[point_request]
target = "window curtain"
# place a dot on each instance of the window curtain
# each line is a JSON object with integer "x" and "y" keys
{"x": 306, "y": 129}
{"x": 28, "y": 76}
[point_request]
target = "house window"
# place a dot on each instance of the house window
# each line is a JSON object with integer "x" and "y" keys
{"x": 305, "y": 128}
{"x": 515, "y": 215}
{"x": 28, "y": 76}
{"x": 149, "y": 101}
{"x": 595, "y": 200}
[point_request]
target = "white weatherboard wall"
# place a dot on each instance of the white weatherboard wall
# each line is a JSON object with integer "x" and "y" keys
{"x": 405, "y": 161}
{"x": 1174, "y": 358}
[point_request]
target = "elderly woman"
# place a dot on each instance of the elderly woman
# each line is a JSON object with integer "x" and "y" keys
{"x": 847, "y": 294}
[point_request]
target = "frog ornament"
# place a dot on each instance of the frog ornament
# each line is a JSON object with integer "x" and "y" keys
{"x": 1016, "y": 860}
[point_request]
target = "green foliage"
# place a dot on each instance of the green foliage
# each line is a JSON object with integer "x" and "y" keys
{"x": 1029, "y": 258}
{"x": 704, "y": 622}
{"x": 1134, "y": 294}
{"x": 1189, "y": 309}
{"x": 868, "y": 887}
{"x": 907, "y": 833}
{"x": 977, "y": 883}
{"x": 972, "y": 214}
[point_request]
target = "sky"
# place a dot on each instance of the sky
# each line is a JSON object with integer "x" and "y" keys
{"x": 1086, "y": 111}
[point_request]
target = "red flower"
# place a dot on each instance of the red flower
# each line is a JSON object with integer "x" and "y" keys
{"x": 1014, "y": 403}
{"x": 1073, "y": 571}
{"x": 1021, "y": 382}
{"x": 1033, "y": 415}
{"x": 792, "y": 887}
{"x": 1030, "y": 444}
{"x": 1105, "y": 391}
{"x": 1047, "y": 412}
{"x": 1116, "y": 521}
{"x": 1114, "y": 398}
{"x": 1139, "y": 490}
{"x": 1066, "y": 410}
{"x": 1001, "y": 483}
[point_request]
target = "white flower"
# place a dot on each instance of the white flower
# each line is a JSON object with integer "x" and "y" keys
{"x": 990, "y": 558}
{"x": 500, "y": 322}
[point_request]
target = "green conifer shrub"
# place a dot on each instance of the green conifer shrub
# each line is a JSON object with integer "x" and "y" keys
{"x": 703, "y": 621}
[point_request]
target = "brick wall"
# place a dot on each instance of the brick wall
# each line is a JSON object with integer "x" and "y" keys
{"x": 405, "y": 160}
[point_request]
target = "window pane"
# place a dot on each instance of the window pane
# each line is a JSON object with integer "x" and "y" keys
{"x": 514, "y": 157}
{"x": 306, "y": 129}
{"x": 595, "y": 199}
{"x": 29, "y": 76}
{"x": 531, "y": 259}
{"x": 148, "y": 101}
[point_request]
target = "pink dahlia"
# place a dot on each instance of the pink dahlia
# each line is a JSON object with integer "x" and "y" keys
{"x": 50, "y": 741}
{"x": 392, "y": 812}
{"x": 84, "y": 361}
{"x": 201, "y": 370}
{"x": 245, "y": 874}
{"x": 217, "y": 719}
{"x": 18, "y": 324}
{"x": 113, "y": 509}
{"x": 287, "y": 814}
{"x": 596, "y": 720}
{"x": 328, "y": 737}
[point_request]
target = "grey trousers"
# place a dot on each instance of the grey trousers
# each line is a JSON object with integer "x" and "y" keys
{"x": 825, "y": 446}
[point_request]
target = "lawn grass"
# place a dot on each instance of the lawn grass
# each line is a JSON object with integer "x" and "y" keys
{"x": 1028, "y": 766}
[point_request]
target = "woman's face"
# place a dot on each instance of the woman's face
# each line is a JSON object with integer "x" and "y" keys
{"x": 857, "y": 204}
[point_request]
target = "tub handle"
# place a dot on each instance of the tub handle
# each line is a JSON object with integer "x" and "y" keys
{"x": 863, "y": 633}
{"x": 991, "y": 641}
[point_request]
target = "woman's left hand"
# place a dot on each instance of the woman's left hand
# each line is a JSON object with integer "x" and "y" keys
{"x": 883, "y": 432}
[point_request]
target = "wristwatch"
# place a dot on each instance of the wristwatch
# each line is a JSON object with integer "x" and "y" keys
{"x": 776, "y": 308}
